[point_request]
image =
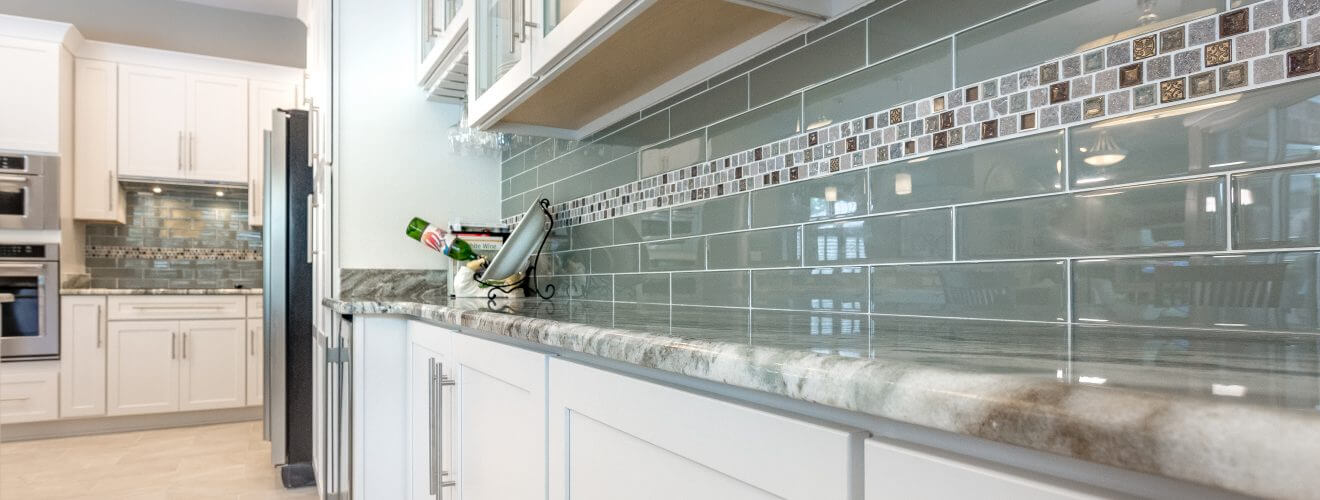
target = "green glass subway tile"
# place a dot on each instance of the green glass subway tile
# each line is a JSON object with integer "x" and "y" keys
{"x": 908, "y": 77}
{"x": 992, "y": 290}
{"x": 594, "y": 286}
{"x": 759, "y": 59}
{"x": 1276, "y": 208}
{"x": 856, "y": 15}
{"x": 1056, "y": 28}
{"x": 779, "y": 247}
{"x": 718, "y": 215}
{"x": 1018, "y": 167}
{"x": 815, "y": 289}
{"x": 617, "y": 259}
{"x": 674, "y": 99}
{"x": 728, "y": 288}
{"x": 676, "y": 153}
{"x": 532, "y": 197}
{"x": 650, "y": 288}
{"x": 674, "y": 255}
{"x": 645, "y": 226}
{"x": 824, "y": 198}
{"x": 649, "y": 130}
{"x": 721, "y": 101}
{"x": 512, "y": 167}
{"x": 523, "y": 182}
{"x": 759, "y": 126}
{"x": 909, "y": 237}
{"x": 540, "y": 153}
{"x": 608, "y": 130}
{"x": 1159, "y": 218}
{"x": 823, "y": 59}
{"x": 1265, "y": 291}
{"x": 610, "y": 175}
{"x": 595, "y": 234}
{"x": 582, "y": 159}
{"x": 572, "y": 262}
{"x": 518, "y": 144}
{"x": 915, "y": 23}
{"x": 1261, "y": 127}
{"x": 828, "y": 333}
{"x": 700, "y": 322}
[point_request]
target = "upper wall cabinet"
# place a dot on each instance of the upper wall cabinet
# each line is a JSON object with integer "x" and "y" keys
{"x": 443, "y": 53}
{"x": 175, "y": 125}
{"x": 30, "y": 94}
{"x": 263, "y": 99}
{"x": 97, "y": 195}
{"x": 568, "y": 68}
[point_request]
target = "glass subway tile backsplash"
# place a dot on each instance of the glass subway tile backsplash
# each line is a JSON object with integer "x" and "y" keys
{"x": 1048, "y": 168}
{"x": 183, "y": 237}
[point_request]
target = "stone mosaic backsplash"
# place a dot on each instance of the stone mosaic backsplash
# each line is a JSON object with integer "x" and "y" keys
{"x": 182, "y": 237}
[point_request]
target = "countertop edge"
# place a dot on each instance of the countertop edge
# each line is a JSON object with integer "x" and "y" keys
{"x": 1190, "y": 439}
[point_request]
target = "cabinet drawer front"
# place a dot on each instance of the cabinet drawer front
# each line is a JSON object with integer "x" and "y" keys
{"x": 176, "y": 307}
{"x": 603, "y": 425}
{"x": 29, "y": 396}
{"x": 254, "y": 306}
{"x": 896, "y": 470}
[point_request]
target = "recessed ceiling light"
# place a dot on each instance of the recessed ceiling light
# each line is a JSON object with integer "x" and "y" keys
{"x": 155, "y": 189}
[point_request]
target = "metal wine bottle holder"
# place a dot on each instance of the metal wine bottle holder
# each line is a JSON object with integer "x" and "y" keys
{"x": 528, "y": 282}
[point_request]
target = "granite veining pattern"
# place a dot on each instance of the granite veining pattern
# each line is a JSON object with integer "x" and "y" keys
{"x": 1001, "y": 387}
{"x": 400, "y": 284}
{"x": 160, "y": 291}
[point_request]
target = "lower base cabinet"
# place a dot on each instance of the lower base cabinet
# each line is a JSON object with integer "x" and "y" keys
{"x": 29, "y": 391}
{"x": 166, "y": 366}
{"x": 900, "y": 471}
{"x": 500, "y": 427}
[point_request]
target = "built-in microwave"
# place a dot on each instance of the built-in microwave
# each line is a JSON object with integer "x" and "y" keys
{"x": 29, "y": 302}
{"x": 29, "y": 191}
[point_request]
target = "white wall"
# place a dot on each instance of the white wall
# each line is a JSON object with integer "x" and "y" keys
{"x": 393, "y": 152}
{"x": 177, "y": 26}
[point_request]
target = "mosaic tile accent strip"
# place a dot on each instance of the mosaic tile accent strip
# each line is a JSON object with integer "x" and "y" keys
{"x": 161, "y": 253}
{"x": 1204, "y": 64}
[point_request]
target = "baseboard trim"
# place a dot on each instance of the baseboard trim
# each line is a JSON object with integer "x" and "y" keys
{"x": 103, "y": 425}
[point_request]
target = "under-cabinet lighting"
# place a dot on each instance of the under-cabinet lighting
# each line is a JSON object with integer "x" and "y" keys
{"x": 220, "y": 194}
{"x": 1091, "y": 180}
{"x": 156, "y": 189}
{"x": 1228, "y": 164}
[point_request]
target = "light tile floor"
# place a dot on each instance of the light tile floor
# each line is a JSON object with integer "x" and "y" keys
{"x": 227, "y": 461}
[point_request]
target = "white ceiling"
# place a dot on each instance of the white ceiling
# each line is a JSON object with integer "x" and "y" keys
{"x": 281, "y": 8}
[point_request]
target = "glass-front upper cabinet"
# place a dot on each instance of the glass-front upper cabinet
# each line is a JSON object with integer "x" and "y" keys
{"x": 565, "y": 24}
{"x": 443, "y": 49}
{"x": 436, "y": 17}
{"x": 501, "y": 54}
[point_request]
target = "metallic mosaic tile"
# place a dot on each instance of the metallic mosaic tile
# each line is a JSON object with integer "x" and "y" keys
{"x": 989, "y": 89}
{"x": 1119, "y": 54}
{"x": 1027, "y": 121}
{"x": 1058, "y": 92}
{"x": 1049, "y": 73}
{"x": 937, "y": 104}
{"x": 1129, "y": 75}
{"x": 946, "y": 120}
{"x": 941, "y": 140}
{"x": 955, "y": 136}
{"x": 1144, "y": 96}
{"x": 1268, "y": 69}
{"x": 1250, "y": 45}
{"x": 1217, "y": 53}
{"x": 1093, "y": 107}
{"x": 1173, "y": 39}
{"x": 1143, "y": 47}
{"x": 989, "y": 129}
{"x": 1093, "y": 61}
{"x": 1071, "y": 67}
{"x": 1201, "y": 84}
{"x": 1158, "y": 68}
{"x": 895, "y": 116}
{"x": 1173, "y": 90}
{"x": 1234, "y": 23}
{"x": 1186, "y": 62}
{"x": 1288, "y": 36}
{"x": 1298, "y": 9}
{"x": 1232, "y": 76}
{"x": 1039, "y": 97}
{"x": 1202, "y": 32}
{"x": 1304, "y": 61}
{"x": 972, "y": 93}
{"x": 1267, "y": 14}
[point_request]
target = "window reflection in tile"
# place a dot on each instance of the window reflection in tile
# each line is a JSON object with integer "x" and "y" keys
{"x": 1275, "y": 291}
{"x": 1019, "y": 167}
{"x": 817, "y": 199}
{"x": 674, "y": 255}
{"x": 1004, "y": 290}
{"x": 711, "y": 216}
{"x": 647, "y": 288}
{"x": 1269, "y": 126}
{"x": 1038, "y": 349}
{"x": 815, "y": 289}
{"x": 727, "y": 288}
{"x": 1276, "y": 208}
{"x": 845, "y": 335}
{"x": 916, "y": 236}
{"x": 1166, "y": 218}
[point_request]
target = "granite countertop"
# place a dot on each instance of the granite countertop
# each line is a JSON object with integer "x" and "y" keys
{"x": 160, "y": 291}
{"x": 1234, "y": 410}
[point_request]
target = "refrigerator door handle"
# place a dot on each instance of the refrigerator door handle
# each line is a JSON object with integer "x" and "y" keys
{"x": 311, "y": 225}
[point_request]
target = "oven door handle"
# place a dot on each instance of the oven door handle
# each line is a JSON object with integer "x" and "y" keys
{"x": 22, "y": 179}
{"x": 7, "y": 269}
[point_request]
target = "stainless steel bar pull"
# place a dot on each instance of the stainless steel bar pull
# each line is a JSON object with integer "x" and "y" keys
{"x": 174, "y": 342}
{"x": 185, "y": 345}
{"x": 441, "y": 382}
{"x": 431, "y": 430}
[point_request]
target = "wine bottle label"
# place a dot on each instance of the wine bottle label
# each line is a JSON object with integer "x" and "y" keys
{"x": 434, "y": 238}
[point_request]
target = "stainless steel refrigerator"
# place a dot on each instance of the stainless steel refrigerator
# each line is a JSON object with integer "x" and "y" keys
{"x": 287, "y": 261}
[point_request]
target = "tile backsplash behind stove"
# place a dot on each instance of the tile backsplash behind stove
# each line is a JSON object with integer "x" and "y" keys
{"x": 182, "y": 237}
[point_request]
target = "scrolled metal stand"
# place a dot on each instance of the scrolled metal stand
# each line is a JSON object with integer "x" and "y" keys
{"x": 528, "y": 283}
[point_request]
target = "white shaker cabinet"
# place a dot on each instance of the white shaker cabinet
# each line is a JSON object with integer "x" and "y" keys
{"x": 263, "y": 99}
{"x": 217, "y": 140}
{"x": 501, "y": 55}
{"x": 83, "y": 346}
{"x": 30, "y": 94}
{"x": 142, "y": 370}
{"x": 430, "y": 412}
{"x": 902, "y": 471}
{"x": 213, "y": 368}
{"x": 153, "y": 124}
{"x": 98, "y": 196}
{"x": 501, "y": 406}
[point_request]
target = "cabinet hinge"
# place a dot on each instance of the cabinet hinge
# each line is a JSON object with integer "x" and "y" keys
{"x": 336, "y": 355}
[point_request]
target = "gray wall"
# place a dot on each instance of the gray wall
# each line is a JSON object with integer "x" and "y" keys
{"x": 177, "y": 26}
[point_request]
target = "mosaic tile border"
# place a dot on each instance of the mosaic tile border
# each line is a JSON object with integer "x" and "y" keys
{"x": 1208, "y": 57}
{"x": 162, "y": 253}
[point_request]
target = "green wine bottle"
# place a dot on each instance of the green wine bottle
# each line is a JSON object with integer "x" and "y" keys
{"x": 439, "y": 240}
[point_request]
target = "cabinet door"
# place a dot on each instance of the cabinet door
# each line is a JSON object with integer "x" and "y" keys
{"x": 142, "y": 370}
{"x": 255, "y": 351}
{"x": 565, "y": 24}
{"x": 430, "y": 410}
{"x": 213, "y": 371}
{"x": 501, "y": 421}
{"x": 263, "y": 99}
{"x": 897, "y": 470}
{"x": 501, "y": 57}
{"x": 217, "y": 139}
{"x": 152, "y": 122}
{"x": 29, "y": 393}
{"x": 613, "y": 436}
{"x": 82, "y": 356}
{"x": 30, "y": 95}
{"x": 95, "y": 127}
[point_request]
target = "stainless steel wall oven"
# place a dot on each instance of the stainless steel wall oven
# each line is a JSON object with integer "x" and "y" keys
{"x": 29, "y": 302}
